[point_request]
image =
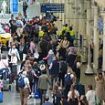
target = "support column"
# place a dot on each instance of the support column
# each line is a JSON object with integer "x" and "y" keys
{"x": 82, "y": 26}
{"x": 96, "y": 39}
{"x": 104, "y": 43}
{"x": 89, "y": 70}
{"x": 76, "y": 20}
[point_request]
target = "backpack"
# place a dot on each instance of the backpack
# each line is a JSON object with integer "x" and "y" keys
{"x": 68, "y": 79}
{"x": 21, "y": 82}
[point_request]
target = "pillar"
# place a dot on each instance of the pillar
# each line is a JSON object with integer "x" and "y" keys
{"x": 82, "y": 26}
{"x": 104, "y": 43}
{"x": 96, "y": 39}
{"x": 76, "y": 16}
{"x": 89, "y": 70}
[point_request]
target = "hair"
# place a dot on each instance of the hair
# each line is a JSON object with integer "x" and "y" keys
{"x": 73, "y": 91}
{"x": 84, "y": 100}
{"x": 90, "y": 87}
{"x": 71, "y": 28}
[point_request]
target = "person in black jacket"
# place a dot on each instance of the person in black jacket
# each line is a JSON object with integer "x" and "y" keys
{"x": 54, "y": 70}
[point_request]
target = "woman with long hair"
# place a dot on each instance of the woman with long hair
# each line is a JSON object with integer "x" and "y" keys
{"x": 73, "y": 96}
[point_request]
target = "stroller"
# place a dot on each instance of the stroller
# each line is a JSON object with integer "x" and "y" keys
{"x": 5, "y": 77}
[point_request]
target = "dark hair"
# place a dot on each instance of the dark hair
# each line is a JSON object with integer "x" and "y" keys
{"x": 73, "y": 91}
{"x": 90, "y": 87}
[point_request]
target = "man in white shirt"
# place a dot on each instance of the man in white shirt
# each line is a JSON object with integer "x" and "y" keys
{"x": 90, "y": 95}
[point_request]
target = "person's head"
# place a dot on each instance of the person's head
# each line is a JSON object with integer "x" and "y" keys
{"x": 55, "y": 88}
{"x": 100, "y": 75}
{"x": 90, "y": 87}
{"x": 71, "y": 28}
{"x": 27, "y": 63}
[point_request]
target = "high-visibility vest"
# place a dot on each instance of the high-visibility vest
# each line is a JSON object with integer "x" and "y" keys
{"x": 41, "y": 33}
{"x": 72, "y": 33}
{"x": 65, "y": 29}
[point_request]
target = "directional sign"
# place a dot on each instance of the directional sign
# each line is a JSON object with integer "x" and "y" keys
{"x": 14, "y": 6}
{"x": 52, "y": 7}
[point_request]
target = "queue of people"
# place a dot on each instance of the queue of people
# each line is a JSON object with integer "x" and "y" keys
{"x": 48, "y": 64}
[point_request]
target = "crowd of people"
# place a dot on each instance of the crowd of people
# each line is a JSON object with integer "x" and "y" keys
{"x": 48, "y": 62}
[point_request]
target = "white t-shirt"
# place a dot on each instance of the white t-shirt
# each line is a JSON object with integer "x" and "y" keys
{"x": 90, "y": 95}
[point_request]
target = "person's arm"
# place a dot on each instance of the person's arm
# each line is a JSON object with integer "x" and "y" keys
{"x": 69, "y": 96}
{"x": 28, "y": 84}
{"x": 87, "y": 96}
{"x": 17, "y": 53}
{"x": 45, "y": 58}
{"x": 9, "y": 52}
{"x": 50, "y": 66}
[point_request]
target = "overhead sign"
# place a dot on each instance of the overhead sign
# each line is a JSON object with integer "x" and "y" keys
{"x": 14, "y": 6}
{"x": 52, "y": 7}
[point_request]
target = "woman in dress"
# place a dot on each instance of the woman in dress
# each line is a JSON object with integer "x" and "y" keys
{"x": 100, "y": 88}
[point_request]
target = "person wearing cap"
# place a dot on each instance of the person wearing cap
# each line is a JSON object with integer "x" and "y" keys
{"x": 47, "y": 101}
